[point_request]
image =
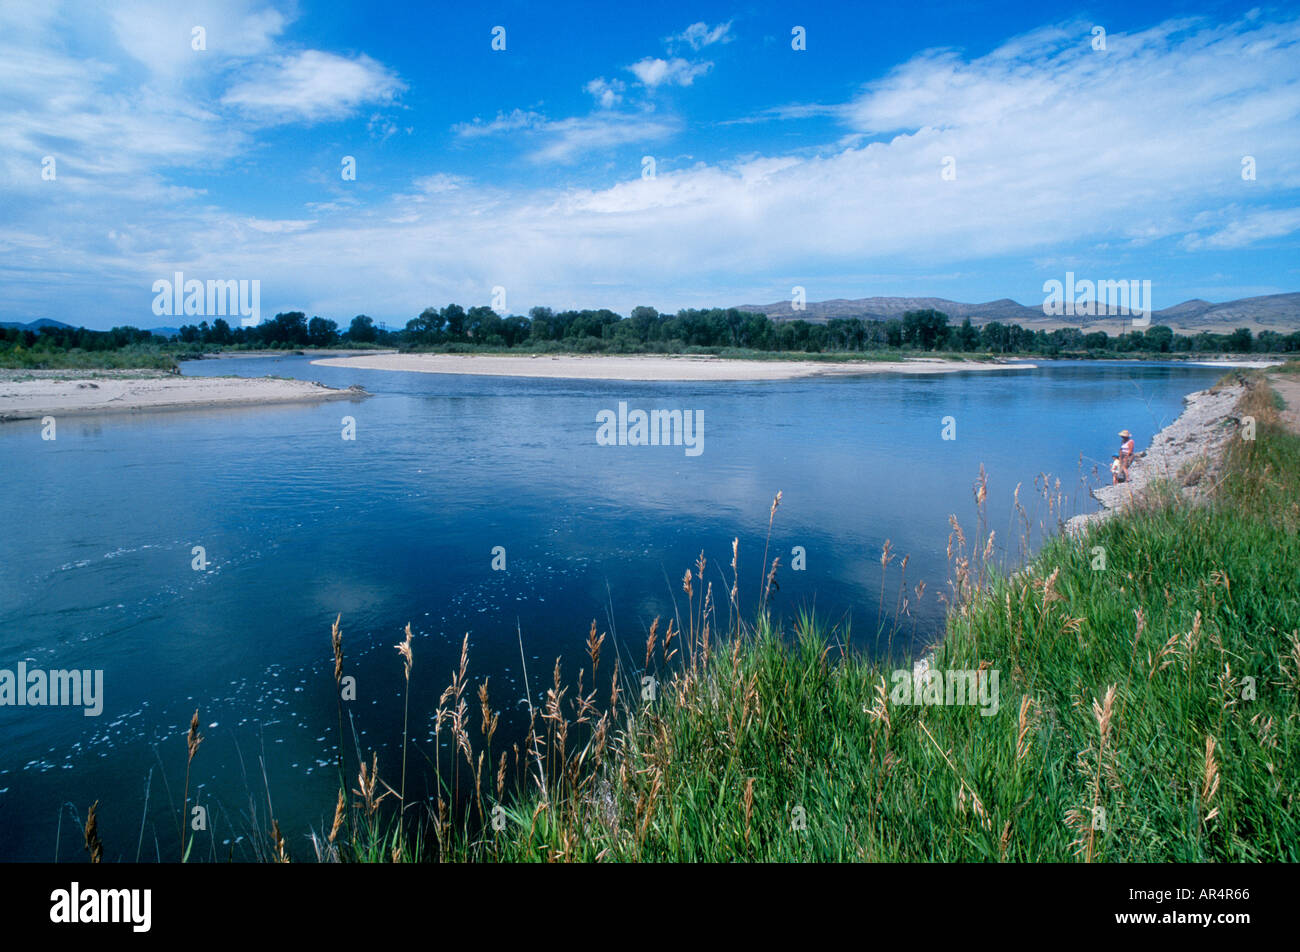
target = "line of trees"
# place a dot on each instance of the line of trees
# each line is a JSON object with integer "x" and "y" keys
{"x": 925, "y": 330}
{"x": 288, "y": 329}
{"x": 74, "y": 338}
{"x": 646, "y": 330}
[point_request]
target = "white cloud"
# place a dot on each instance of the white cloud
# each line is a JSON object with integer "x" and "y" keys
{"x": 653, "y": 71}
{"x": 280, "y": 227}
{"x": 438, "y": 183}
{"x": 570, "y": 137}
{"x": 1055, "y": 149}
{"x": 607, "y": 93}
{"x": 791, "y": 111}
{"x": 159, "y": 33}
{"x": 313, "y": 86}
{"x": 1247, "y": 230}
{"x": 382, "y": 127}
{"x": 111, "y": 141}
{"x": 564, "y": 140}
{"x": 512, "y": 121}
{"x": 700, "y": 35}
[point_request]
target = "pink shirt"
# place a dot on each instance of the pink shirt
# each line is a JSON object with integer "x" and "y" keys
{"x": 1126, "y": 448}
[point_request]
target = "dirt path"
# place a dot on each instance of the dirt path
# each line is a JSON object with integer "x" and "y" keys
{"x": 1288, "y": 389}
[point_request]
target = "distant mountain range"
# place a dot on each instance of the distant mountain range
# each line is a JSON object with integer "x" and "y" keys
{"x": 1273, "y": 312}
{"x": 36, "y": 325}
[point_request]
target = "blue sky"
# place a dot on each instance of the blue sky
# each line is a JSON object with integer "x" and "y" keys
{"x": 524, "y": 168}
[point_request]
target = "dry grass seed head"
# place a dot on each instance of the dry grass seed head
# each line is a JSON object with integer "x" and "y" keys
{"x": 1022, "y": 735}
{"x": 194, "y": 738}
{"x": 1210, "y": 781}
{"x": 771, "y": 579}
{"x": 404, "y": 649}
{"x": 489, "y": 724}
{"x": 735, "y": 579}
{"x": 280, "y": 854}
{"x": 338, "y": 817}
{"x": 93, "y": 844}
{"x": 336, "y": 641}
{"x": 1103, "y": 713}
{"x": 650, "y": 640}
{"x": 593, "y": 648}
{"x": 1164, "y": 657}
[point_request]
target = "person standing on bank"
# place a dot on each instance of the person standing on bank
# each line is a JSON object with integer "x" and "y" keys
{"x": 1126, "y": 451}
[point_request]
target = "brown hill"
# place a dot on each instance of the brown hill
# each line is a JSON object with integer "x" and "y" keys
{"x": 1275, "y": 312}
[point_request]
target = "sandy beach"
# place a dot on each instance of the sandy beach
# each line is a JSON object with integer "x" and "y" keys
{"x": 669, "y": 368}
{"x": 1231, "y": 363}
{"x": 27, "y": 394}
{"x": 300, "y": 352}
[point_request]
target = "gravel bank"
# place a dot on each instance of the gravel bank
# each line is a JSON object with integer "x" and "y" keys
{"x": 1187, "y": 452}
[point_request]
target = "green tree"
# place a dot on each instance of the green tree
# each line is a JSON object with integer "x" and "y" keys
{"x": 515, "y": 330}
{"x": 924, "y": 329}
{"x": 1159, "y": 339}
{"x": 967, "y": 337}
{"x": 322, "y": 332}
{"x": 541, "y": 326}
{"x": 481, "y": 323}
{"x": 287, "y": 329}
{"x": 425, "y": 330}
{"x": 362, "y": 330}
{"x": 453, "y": 320}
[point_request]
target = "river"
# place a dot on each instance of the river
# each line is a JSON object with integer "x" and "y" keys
{"x": 446, "y": 475}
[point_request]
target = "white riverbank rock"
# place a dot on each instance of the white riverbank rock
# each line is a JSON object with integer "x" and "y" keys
{"x": 1186, "y": 452}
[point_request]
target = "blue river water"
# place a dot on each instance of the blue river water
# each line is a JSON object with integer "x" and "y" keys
{"x": 403, "y": 523}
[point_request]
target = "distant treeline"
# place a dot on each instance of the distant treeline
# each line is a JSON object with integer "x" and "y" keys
{"x": 291, "y": 329}
{"x": 729, "y": 328}
{"x": 646, "y": 330}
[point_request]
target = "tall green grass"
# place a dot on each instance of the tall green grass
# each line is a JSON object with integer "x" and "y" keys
{"x": 137, "y": 357}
